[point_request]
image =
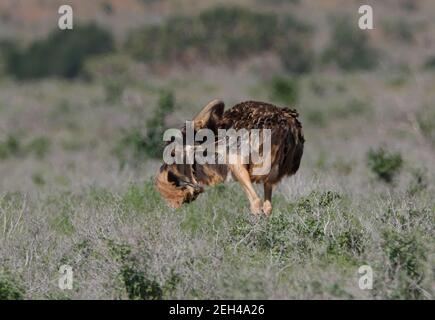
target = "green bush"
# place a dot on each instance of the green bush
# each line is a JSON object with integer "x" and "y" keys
{"x": 222, "y": 34}
{"x": 284, "y": 90}
{"x": 386, "y": 165}
{"x": 349, "y": 47}
{"x": 296, "y": 56}
{"x": 347, "y": 241}
{"x": 137, "y": 280}
{"x": 156, "y": 125}
{"x": 134, "y": 147}
{"x": 61, "y": 54}
{"x": 38, "y": 179}
{"x": 10, "y": 147}
{"x": 6, "y": 48}
{"x": 9, "y": 289}
{"x": 303, "y": 219}
{"x": 39, "y": 147}
{"x": 138, "y": 286}
{"x": 406, "y": 257}
{"x": 430, "y": 63}
{"x": 134, "y": 199}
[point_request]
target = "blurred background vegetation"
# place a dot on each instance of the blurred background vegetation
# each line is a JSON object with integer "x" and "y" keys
{"x": 82, "y": 113}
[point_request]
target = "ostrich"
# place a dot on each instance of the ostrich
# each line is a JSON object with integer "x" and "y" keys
{"x": 182, "y": 183}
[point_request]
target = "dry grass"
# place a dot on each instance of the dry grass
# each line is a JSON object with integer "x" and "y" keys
{"x": 71, "y": 203}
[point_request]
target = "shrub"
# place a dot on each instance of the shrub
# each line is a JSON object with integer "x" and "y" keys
{"x": 282, "y": 229}
{"x": 138, "y": 282}
{"x": 296, "y": 57}
{"x": 39, "y": 147}
{"x": 130, "y": 149}
{"x": 138, "y": 286}
{"x": 6, "y": 48}
{"x": 284, "y": 90}
{"x": 9, "y": 289}
{"x": 430, "y": 63}
{"x": 134, "y": 199}
{"x": 348, "y": 241}
{"x": 386, "y": 165}
{"x": 38, "y": 179}
{"x": 350, "y": 48}
{"x": 134, "y": 147}
{"x": 406, "y": 257}
{"x": 62, "y": 53}
{"x": 222, "y": 34}
{"x": 10, "y": 147}
{"x": 156, "y": 125}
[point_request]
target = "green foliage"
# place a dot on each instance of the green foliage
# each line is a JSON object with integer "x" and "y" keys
{"x": 10, "y": 147}
{"x": 141, "y": 198}
{"x": 6, "y": 48}
{"x": 130, "y": 149}
{"x": 349, "y": 47}
{"x": 304, "y": 227}
{"x": 406, "y": 257}
{"x": 156, "y": 124}
{"x": 39, "y": 146}
{"x": 13, "y": 147}
{"x": 62, "y": 223}
{"x": 61, "y": 54}
{"x": 9, "y": 288}
{"x": 430, "y": 63}
{"x": 134, "y": 147}
{"x": 119, "y": 251}
{"x": 139, "y": 283}
{"x": 38, "y": 179}
{"x": 222, "y": 34}
{"x": 134, "y": 199}
{"x": 312, "y": 224}
{"x": 347, "y": 242}
{"x": 296, "y": 56}
{"x": 138, "y": 286}
{"x": 284, "y": 90}
{"x": 386, "y": 165}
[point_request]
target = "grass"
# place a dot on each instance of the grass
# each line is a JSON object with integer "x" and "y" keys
{"x": 128, "y": 245}
{"x": 77, "y": 159}
{"x": 109, "y": 224}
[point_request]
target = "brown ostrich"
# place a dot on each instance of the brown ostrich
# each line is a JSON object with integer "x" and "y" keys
{"x": 182, "y": 183}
